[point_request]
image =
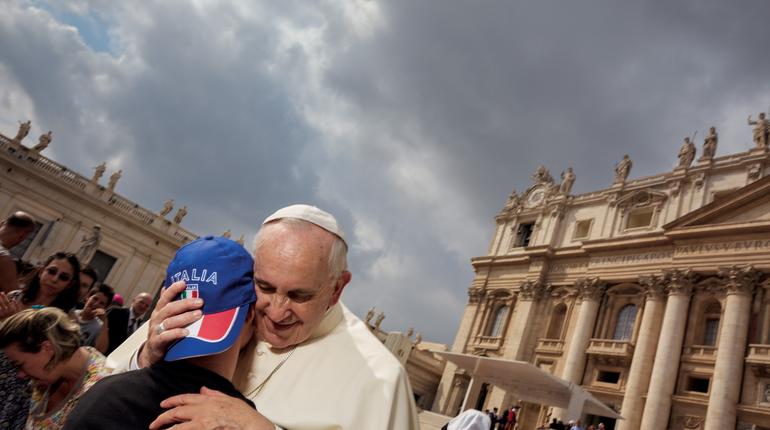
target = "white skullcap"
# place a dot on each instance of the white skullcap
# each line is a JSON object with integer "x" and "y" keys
{"x": 311, "y": 214}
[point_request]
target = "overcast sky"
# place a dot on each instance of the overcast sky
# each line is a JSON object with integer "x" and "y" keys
{"x": 411, "y": 121}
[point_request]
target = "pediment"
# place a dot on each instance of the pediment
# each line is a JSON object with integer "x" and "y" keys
{"x": 640, "y": 198}
{"x": 746, "y": 206}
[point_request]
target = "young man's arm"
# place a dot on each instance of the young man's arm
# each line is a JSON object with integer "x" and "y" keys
{"x": 8, "y": 279}
{"x": 102, "y": 341}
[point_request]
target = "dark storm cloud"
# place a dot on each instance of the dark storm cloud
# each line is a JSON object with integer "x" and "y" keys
{"x": 411, "y": 121}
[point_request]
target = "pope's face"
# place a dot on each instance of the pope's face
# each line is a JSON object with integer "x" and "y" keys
{"x": 294, "y": 289}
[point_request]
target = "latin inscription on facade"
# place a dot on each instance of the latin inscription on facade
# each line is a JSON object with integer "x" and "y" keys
{"x": 723, "y": 247}
{"x": 567, "y": 266}
{"x": 641, "y": 258}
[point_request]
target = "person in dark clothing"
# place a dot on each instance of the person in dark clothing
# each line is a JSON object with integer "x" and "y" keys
{"x": 121, "y": 322}
{"x": 502, "y": 421}
{"x": 205, "y": 360}
{"x": 493, "y": 419}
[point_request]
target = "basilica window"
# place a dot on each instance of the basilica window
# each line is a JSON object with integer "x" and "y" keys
{"x": 19, "y": 250}
{"x": 624, "y": 325}
{"x": 523, "y": 234}
{"x": 103, "y": 263}
{"x": 496, "y": 328}
{"x": 582, "y": 229}
{"x": 557, "y": 322}
{"x": 711, "y": 324}
{"x": 640, "y": 218}
{"x": 698, "y": 384}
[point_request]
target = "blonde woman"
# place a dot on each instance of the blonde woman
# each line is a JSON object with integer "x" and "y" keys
{"x": 44, "y": 344}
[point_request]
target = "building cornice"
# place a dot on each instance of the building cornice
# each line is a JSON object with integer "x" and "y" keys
{"x": 81, "y": 188}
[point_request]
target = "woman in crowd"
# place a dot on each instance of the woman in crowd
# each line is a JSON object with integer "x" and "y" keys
{"x": 44, "y": 344}
{"x": 56, "y": 284}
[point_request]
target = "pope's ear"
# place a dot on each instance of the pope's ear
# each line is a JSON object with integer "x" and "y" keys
{"x": 342, "y": 281}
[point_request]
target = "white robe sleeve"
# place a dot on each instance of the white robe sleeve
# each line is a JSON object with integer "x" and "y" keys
{"x": 124, "y": 357}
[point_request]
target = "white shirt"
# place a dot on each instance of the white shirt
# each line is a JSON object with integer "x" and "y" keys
{"x": 342, "y": 377}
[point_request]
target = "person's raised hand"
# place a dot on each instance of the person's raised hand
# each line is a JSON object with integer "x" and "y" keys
{"x": 209, "y": 410}
{"x": 8, "y": 307}
{"x": 168, "y": 322}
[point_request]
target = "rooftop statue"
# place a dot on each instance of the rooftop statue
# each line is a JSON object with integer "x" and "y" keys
{"x": 241, "y": 239}
{"x": 378, "y": 321}
{"x": 114, "y": 178}
{"x": 710, "y": 144}
{"x": 43, "y": 141}
{"x": 168, "y": 205}
{"x": 542, "y": 175}
{"x": 761, "y": 130}
{"x": 622, "y": 170}
{"x": 23, "y": 131}
{"x": 99, "y": 172}
{"x": 513, "y": 200}
{"x": 180, "y": 214}
{"x": 567, "y": 180}
{"x": 227, "y": 234}
{"x": 686, "y": 153}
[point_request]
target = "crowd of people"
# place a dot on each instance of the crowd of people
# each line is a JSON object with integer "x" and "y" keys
{"x": 53, "y": 332}
{"x": 503, "y": 420}
{"x": 229, "y": 331}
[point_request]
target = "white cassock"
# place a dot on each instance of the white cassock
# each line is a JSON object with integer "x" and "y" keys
{"x": 342, "y": 377}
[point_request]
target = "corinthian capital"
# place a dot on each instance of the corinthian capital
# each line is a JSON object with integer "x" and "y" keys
{"x": 533, "y": 290}
{"x": 590, "y": 288}
{"x": 474, "y": 295}
{"x": 654, "y": 286}
{"x": 679, "y": 281}
{"x": 739, "y": 279}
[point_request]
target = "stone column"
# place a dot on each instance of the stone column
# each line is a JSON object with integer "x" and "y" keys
{"x": 641, "y": 364}
{"x": 529, "y": 296}
{"x": 589, "y": 293}
{"x": 666, "y": 365}
{"x": 442, "y": 402}
{"x": 733, "y": 334}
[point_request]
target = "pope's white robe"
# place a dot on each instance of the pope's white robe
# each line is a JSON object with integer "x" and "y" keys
{"x": 342, "y": 377}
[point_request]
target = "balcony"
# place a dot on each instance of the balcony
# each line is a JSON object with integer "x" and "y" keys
{"x": 487, "y": 342}
{"x": 705, "y": 354}
{"x": 612, "y": 349}
{"x": 759, "y": 355}
{"x": 550, "y": 346}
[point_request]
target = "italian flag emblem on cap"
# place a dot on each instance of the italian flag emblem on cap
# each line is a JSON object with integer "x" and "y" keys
{"x": 190, "y": 292}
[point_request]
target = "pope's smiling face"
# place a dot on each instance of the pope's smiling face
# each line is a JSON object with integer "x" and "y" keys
{"x": 294, "y": 287}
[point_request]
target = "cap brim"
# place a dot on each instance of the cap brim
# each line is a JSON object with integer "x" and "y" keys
{"x": 212, "y": 334}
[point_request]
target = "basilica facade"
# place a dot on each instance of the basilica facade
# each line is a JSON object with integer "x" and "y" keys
{"x": 129, "y": 245}
{"x": 653, "y": 294}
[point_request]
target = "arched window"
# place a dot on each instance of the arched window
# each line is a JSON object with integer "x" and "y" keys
{"x": 624, "y": 326}
{"x": 496, "y": 329}
{"x": 557, "y": 322}
{"x": 711, "y": 323}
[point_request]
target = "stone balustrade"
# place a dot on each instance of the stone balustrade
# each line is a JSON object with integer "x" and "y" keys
{"x": 705, "y": 354}
{"x": 550, "y": 346}
{"x": 611, "y": 348}
{"x": 488, "y": 342}
{"x": 759, "y": 354}
{"x": 17, "y": 153}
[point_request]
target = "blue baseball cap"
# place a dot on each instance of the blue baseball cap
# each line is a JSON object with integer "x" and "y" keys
{"x": 221, "y": 272}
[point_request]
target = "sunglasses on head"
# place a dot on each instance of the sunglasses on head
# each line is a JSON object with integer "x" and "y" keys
{"x": 63, "y": 276}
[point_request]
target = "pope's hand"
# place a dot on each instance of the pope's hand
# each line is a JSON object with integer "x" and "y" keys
{"x": 210, "y": 410}
{"x": 168, "y": 322}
